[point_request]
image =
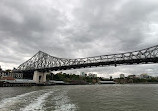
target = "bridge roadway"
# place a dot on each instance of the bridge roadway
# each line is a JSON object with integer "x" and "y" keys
{"x": 43, "y": 62}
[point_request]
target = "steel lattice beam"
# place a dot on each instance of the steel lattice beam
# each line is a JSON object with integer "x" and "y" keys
{"x": 45, "y": 62}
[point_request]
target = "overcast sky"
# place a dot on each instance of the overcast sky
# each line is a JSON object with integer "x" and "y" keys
{"x": 78, "y": 28}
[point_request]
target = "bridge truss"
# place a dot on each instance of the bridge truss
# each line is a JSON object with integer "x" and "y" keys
{"x": 42, "y": 61}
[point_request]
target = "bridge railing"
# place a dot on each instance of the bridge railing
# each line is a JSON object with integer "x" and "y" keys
{"x": 42, "y": 60}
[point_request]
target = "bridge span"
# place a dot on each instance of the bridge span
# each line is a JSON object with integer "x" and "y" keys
{"x": 42, "y": 63}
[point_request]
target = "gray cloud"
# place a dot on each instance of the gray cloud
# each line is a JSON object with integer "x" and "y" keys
{"x": 77, "y": 29}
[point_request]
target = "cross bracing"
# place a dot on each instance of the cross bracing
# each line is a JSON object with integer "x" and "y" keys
{"x": 44, "y": 62}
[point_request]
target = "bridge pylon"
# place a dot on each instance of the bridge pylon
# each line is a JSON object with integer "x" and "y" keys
{"x": 42, "y": 61}
{"x": 39, "y": 77}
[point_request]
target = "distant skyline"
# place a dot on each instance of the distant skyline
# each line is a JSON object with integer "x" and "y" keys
{"x": 78, "y": 28}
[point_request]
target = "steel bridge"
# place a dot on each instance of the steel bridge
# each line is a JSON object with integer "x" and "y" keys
{"x": 44, "y": 62}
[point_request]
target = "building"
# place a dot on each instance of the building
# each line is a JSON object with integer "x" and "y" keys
{"x": 122, "y": 76}
{"x": 10, "y": 74}
{"x": 92, "y": 75}
{"x": 2, "y": 73}
{"x": 14, "y": 75}
{"x": 144, "y": 76}
{"x": 83, "y": 74}
{"x": 131, "y": 76}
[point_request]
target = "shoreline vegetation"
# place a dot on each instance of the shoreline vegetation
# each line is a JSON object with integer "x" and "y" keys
{"x": 131, "y": 79}
{"x": 139, "y": 79}
{"x": 73, "y": 79}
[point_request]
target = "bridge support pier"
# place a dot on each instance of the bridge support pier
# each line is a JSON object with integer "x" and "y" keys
{"x": 39, "y": 77}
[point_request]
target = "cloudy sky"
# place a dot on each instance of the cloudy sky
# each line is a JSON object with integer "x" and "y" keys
{"x": 78, "y": 28}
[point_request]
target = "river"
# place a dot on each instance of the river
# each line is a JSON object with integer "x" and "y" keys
{"x": 132, "y": 97}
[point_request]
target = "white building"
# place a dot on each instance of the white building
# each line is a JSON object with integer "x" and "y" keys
{"x": 92, "y": 75}
{"x": 144, "y": 76}
{"x": 122, "y": 76}
{"x": 83, "y": 74}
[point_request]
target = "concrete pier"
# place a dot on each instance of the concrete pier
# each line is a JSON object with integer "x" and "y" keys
{"x": 39, "y": 77}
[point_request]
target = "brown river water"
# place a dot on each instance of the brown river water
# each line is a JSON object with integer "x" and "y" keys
{"x": 132, "y": 97}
